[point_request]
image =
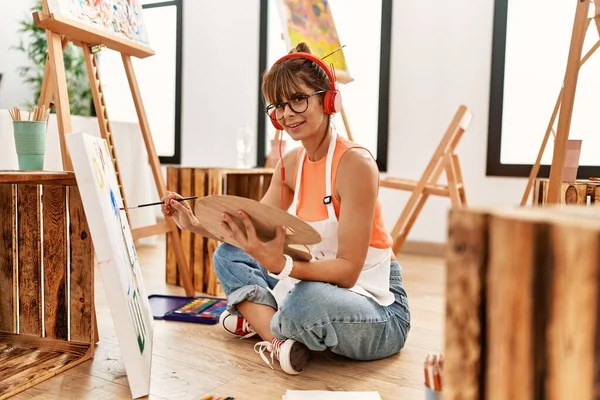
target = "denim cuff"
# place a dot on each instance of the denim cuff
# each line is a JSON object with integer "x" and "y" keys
{"x": 253, "y": 293}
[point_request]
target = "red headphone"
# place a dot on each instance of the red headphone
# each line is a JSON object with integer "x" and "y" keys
{"x": 332, "y": 101}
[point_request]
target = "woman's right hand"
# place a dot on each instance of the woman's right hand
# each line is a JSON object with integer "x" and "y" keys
{"x": 178, "y": 210}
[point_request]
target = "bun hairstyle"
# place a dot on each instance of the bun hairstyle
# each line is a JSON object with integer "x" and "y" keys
{"x": 283, "y": 79}
{"x": 301, "y": 48}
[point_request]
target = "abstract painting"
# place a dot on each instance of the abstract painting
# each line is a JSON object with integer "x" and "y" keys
{"x": 122, "y": 18}
{"x": 311, "y": 21}
{"x": 116, "y": 255}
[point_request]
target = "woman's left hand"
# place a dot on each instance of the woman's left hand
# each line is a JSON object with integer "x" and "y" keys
{"x": 268, "y": 254}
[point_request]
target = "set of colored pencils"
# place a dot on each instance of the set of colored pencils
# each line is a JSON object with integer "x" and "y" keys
{"x": 37, "y": 114}
{"x": 433, "y": 369}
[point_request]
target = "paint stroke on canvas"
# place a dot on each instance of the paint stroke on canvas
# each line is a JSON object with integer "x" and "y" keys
{"x": 311, "y": 21}
{"x": 123, "y": 18}
{"x": 116, "y": 254}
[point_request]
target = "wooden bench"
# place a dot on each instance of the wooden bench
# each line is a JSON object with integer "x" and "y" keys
{"x": 201, "y": 182}
{"x": 47, "y": 314}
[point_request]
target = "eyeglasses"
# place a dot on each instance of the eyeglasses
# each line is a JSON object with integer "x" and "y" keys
{"x": 298, "y": 104}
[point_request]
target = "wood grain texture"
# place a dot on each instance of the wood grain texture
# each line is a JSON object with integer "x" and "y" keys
{"x": 596, "y": 195}
{"x": 509, "y": 310}
{"x": 38, "y": 177}
{"x": 465, "y": 306}
{"x": 8, "y": 243}
{"x": 82, "y": 271}
{"x": 543, "y": 262}
{"x": 56, "y": 305}
{"x": 171, "y": 275}
{"x": 29, "y": 259}
{"x": 264, "y": 217}
{"x": 542, "y": 311}
{"x": 26, "y": 361}
{"x": 185, "y": 189}
{"x": 33, "y": 342}
{"x": 255, "y": 190}
{"x": 572, "y": 329}
{"x": 85, "y": 33}
{"x": 570, "y": 193}
{"x": 199, "y": 241}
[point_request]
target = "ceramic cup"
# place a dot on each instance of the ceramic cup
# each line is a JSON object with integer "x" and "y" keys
{"x": 30, "y": 143}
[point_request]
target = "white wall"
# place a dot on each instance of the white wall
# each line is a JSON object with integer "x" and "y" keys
{"x": 12, "y": 91}
{"x": 220, "y": 53}
{"x": 441, "y": 58}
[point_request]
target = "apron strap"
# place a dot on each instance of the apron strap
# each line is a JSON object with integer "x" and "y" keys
{"x": 328, "y": 200}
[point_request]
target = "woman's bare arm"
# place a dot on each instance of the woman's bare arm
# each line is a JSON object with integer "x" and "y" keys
{"x": 273, "y": 196}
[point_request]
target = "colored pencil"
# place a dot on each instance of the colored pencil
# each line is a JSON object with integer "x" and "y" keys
{"x": 433, "y": 369}
{"x": 159, "y": 203}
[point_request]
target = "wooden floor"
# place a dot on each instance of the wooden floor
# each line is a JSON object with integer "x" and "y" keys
{"x": 193, "y": 360}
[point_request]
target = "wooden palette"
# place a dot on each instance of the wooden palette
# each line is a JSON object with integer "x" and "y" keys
{"x": 299, "y": 235}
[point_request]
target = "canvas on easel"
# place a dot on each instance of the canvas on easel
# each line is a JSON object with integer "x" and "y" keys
{"x": 311, "y": 22}
{"x": 122, "y": 18}
{"x": 117, "y": 25}
{"x": 116, "y": 254}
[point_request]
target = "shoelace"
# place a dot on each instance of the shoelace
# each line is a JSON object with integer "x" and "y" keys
{"x": 273, "y": 347}
{"x": 247, "y": 328}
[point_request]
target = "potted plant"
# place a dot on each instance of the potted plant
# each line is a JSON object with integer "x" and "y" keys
{"x": 34, "y": 45}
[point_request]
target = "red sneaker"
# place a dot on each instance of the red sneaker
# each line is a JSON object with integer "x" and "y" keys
{"x": 292, "y": 355}
{"x": 237, "y": 326}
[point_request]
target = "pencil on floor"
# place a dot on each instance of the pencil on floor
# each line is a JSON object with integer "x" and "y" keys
{"x": 426, "y": 372}
{"x": 433, "y": 369}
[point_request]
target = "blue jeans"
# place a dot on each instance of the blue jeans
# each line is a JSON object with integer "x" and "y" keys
{"x": 320, "y": 315}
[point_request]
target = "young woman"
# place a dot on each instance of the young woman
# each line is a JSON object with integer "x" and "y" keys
{"x": 349, "y": 298}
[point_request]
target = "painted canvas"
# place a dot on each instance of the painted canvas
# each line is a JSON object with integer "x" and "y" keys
{"x": 123, "y": 18}
{"x": 116, "y": 256}
{"x": 311, "y": 21}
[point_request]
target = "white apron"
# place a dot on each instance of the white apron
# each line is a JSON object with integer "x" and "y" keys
{"x": 374, "y": 278}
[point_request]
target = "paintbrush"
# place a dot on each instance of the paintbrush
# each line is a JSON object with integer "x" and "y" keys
{"x": 158, "y": 203}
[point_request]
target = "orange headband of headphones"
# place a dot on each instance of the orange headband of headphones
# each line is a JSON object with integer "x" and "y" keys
{"x": 332, "y": 101}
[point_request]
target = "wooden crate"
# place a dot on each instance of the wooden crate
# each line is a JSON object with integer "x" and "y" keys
{"x": 582, "y": 192}
{"x": 522, "y": 305}
{"x": 194, "y": 181}
{"x": 46, "y": 279}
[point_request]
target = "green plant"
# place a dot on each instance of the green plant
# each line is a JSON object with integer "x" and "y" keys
{"x": 78, "y": 87}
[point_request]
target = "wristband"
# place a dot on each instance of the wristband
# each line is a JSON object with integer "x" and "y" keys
{"x": 287, "y": 269}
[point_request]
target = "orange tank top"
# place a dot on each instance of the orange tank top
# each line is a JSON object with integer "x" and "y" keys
{"x": 310, "y": 205}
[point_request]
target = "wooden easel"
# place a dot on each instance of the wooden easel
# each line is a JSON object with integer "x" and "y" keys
{"x": 443, "y": 160}
{"x": 59, "y": 31}
{"x": 565, "y": 101}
